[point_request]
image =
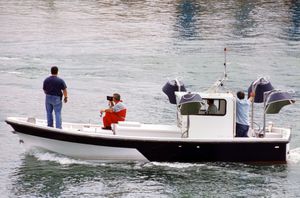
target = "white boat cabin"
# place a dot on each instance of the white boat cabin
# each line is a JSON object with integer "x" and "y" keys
{"x": 205, "y": 124}
{"x": 201, "y": 124}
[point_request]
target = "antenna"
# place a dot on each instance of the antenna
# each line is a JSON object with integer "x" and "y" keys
{"x": 225, "y": 69}
{"x": 219, "y": 83}
{"x": 225, "y": 66}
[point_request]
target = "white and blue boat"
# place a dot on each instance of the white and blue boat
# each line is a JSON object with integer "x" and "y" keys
{"x": 196, "y": 137}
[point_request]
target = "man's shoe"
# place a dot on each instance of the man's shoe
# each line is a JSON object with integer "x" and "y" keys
{"x": 106, "y": 128}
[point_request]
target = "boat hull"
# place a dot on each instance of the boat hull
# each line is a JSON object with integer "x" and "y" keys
{"x": 112, "y": 147}
{"x": 81, "y": 151}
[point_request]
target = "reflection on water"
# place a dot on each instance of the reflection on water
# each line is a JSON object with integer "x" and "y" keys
{"x": 248, "y": 19}
{"x": 294, "y": 28}
{"x": 187, "y": 19}
{"x": 245, "y": 23}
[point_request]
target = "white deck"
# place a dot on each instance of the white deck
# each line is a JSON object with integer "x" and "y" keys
{"x": 135, "y": 130}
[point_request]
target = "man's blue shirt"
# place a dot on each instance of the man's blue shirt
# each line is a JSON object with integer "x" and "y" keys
{"x": 242, "y": 111}
{"x": 54, "y": 85}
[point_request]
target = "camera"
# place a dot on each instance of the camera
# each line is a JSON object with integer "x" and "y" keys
{"x": 109, "y": 98}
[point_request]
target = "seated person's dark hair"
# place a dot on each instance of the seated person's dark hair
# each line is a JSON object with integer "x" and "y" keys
{"x": 240, "y": 95}
{"x": 210, "y": 101}
{"x": 117, "y": 96}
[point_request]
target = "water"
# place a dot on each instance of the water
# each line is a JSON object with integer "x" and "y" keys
{"x": 134, "y": 47}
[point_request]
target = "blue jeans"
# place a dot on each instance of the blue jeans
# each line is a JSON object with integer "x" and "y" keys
{"x": 53, "y": 103}
{"x": 241, "y": 130}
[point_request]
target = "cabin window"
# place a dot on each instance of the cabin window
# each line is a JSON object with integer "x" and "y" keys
{"x": 215, "y": 107}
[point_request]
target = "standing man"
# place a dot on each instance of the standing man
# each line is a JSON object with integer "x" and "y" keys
{"x": 242, "y": 114}
{"x": 116, "y": 111}
{"x": 55, "y": 88}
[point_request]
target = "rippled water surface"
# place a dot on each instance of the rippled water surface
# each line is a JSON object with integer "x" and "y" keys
{"x": 133, "y": 47}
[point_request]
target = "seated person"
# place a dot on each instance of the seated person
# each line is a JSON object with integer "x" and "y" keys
{"x": 212, "y": 108}
{"x": 116, "y": 111}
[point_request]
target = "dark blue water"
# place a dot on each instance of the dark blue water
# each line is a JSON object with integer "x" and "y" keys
{"x": 134, "y": 47}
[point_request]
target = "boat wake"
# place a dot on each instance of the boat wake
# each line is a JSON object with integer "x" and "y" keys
{"x": 42, "y": 155}
{"x": 54, "y": 157}
{"x": 176, "y": 165}
{"x": 294, "y": 156}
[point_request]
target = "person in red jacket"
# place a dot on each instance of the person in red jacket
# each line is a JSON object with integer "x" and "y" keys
{"x": 115, "y": 113}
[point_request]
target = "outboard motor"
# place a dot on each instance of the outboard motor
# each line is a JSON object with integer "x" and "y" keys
{"x": 259, "y": 87}
{"x": 190, "y": 104}
{"x": 277, "y": 99}
{"x": 171, "y": 87}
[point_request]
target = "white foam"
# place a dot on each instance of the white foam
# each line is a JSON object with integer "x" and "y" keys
{"x": 14, "y": 72}
{"x": 294, "y": 156}
{"x": 53, "y": 157}
{"x": 174, "y": 165}
{"x": 8, "y": 58}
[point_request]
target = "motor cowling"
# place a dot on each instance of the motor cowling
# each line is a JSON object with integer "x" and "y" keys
{"x": 190, "y": 104}
{"x": 171, "y": 87}
{"x": 259, "y": 87}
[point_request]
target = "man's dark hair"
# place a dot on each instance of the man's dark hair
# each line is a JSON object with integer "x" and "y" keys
{"x": 54, "y": 70}
{"x": 240, "y": 95}
{"x": 117, "y": 96}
